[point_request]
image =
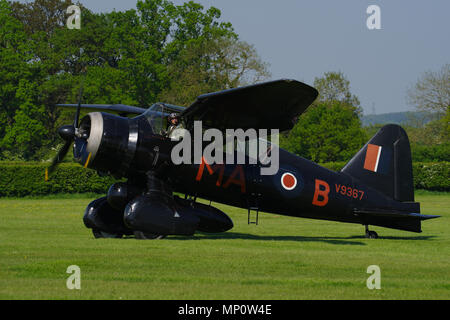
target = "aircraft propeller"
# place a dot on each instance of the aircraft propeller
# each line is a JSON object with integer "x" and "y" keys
{"x": 70, "y": 134}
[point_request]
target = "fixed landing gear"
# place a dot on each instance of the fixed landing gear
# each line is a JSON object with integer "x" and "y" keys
{"x": 371, "y": 234}
{"x": 98, "y": 234}
{"x": 147, "y": 236}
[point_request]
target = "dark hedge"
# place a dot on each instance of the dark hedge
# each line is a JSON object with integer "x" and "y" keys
{"x": 434, "y": 176}
{"x": 27, "y": 179}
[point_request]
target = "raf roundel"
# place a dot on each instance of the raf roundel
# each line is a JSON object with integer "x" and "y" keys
{"x": 288, "y": 181}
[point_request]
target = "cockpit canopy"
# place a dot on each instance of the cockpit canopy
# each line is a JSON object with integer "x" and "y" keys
{"x": 157, "y": 115}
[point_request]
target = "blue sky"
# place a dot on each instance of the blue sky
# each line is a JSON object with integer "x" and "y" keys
{"x": 302, "y": 39}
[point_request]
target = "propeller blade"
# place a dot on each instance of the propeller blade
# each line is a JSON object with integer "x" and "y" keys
{"x": 58, "y": 158}
{"x": 69, "y": 134}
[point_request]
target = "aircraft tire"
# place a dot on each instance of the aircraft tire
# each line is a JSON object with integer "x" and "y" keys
{"x": 372, "y": 235}
{"x": 147, "y": 236}
{"x": 98, "y": 234}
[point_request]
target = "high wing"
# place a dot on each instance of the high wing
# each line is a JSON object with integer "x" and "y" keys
{"x": 269, "y": 105}
{"x": 116, "y": 108}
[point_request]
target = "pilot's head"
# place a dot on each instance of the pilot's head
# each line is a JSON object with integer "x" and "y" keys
{"x": 173, "y": 119}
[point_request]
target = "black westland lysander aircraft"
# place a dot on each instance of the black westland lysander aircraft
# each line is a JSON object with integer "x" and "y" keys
{"x": 374, "y": 188}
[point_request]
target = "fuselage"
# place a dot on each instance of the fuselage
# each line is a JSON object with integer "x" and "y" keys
{"x": 300, "y": 188}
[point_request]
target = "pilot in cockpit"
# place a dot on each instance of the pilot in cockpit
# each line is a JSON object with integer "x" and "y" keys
{"x": 174, "y": 123}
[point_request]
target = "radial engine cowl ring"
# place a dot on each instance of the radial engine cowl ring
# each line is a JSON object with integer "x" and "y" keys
{"x": 107, "y": 142}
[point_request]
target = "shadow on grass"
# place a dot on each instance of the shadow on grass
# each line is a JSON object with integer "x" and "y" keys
{"x": 330, "y": 240}
{"x": 246, "y": 236}
{"x": 396, "y": 238}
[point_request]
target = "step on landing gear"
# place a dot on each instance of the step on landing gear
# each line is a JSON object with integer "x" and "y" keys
{"x": 371, "y": 234}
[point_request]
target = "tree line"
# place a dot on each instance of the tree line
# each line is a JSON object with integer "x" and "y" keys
{"x": 157, "y": 52}
{"x": 429, "y": 129}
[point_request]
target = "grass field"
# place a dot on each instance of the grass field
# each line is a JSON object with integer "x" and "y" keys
{"x": 281, "y": 258}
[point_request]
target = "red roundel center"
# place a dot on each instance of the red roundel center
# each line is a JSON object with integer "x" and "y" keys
{"x": 288, "y": 181}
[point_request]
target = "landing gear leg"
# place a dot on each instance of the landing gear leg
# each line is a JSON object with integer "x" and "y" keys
{"x": 370, "y": 234}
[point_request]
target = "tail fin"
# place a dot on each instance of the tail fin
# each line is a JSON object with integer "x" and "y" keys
{"x": 384, "y": 164}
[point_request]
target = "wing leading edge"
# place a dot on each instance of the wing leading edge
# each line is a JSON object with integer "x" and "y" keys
{"x": 116, "y": 108}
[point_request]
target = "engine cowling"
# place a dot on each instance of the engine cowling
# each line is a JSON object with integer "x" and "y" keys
{"x": 109, "y": 146}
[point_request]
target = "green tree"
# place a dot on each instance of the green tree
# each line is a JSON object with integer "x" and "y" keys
{"x": 432, "y": 91}
{"x": 334, "y": 86}
{"x": 41, "y": 15}
{"x": 13, "y": 62}
{"x": 330, "y": 129}
{"x": 213, "y": 65}
{"x": 106, "y": 85}
{"x": 16, "y": 65}
{"x": 139, "y": 56}
{"x": 27, "y": 134}
{"x": 327, "y": 132}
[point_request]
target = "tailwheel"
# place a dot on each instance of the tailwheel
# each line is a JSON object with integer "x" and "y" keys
{"x": 371, "y": 234}
{"x": 98, "y": 234}
{"x": 148, "y": 236}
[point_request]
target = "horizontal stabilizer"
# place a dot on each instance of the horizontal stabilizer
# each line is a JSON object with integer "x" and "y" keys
{"x": 393, "y": 219}
{"x": 392, "y": 213}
